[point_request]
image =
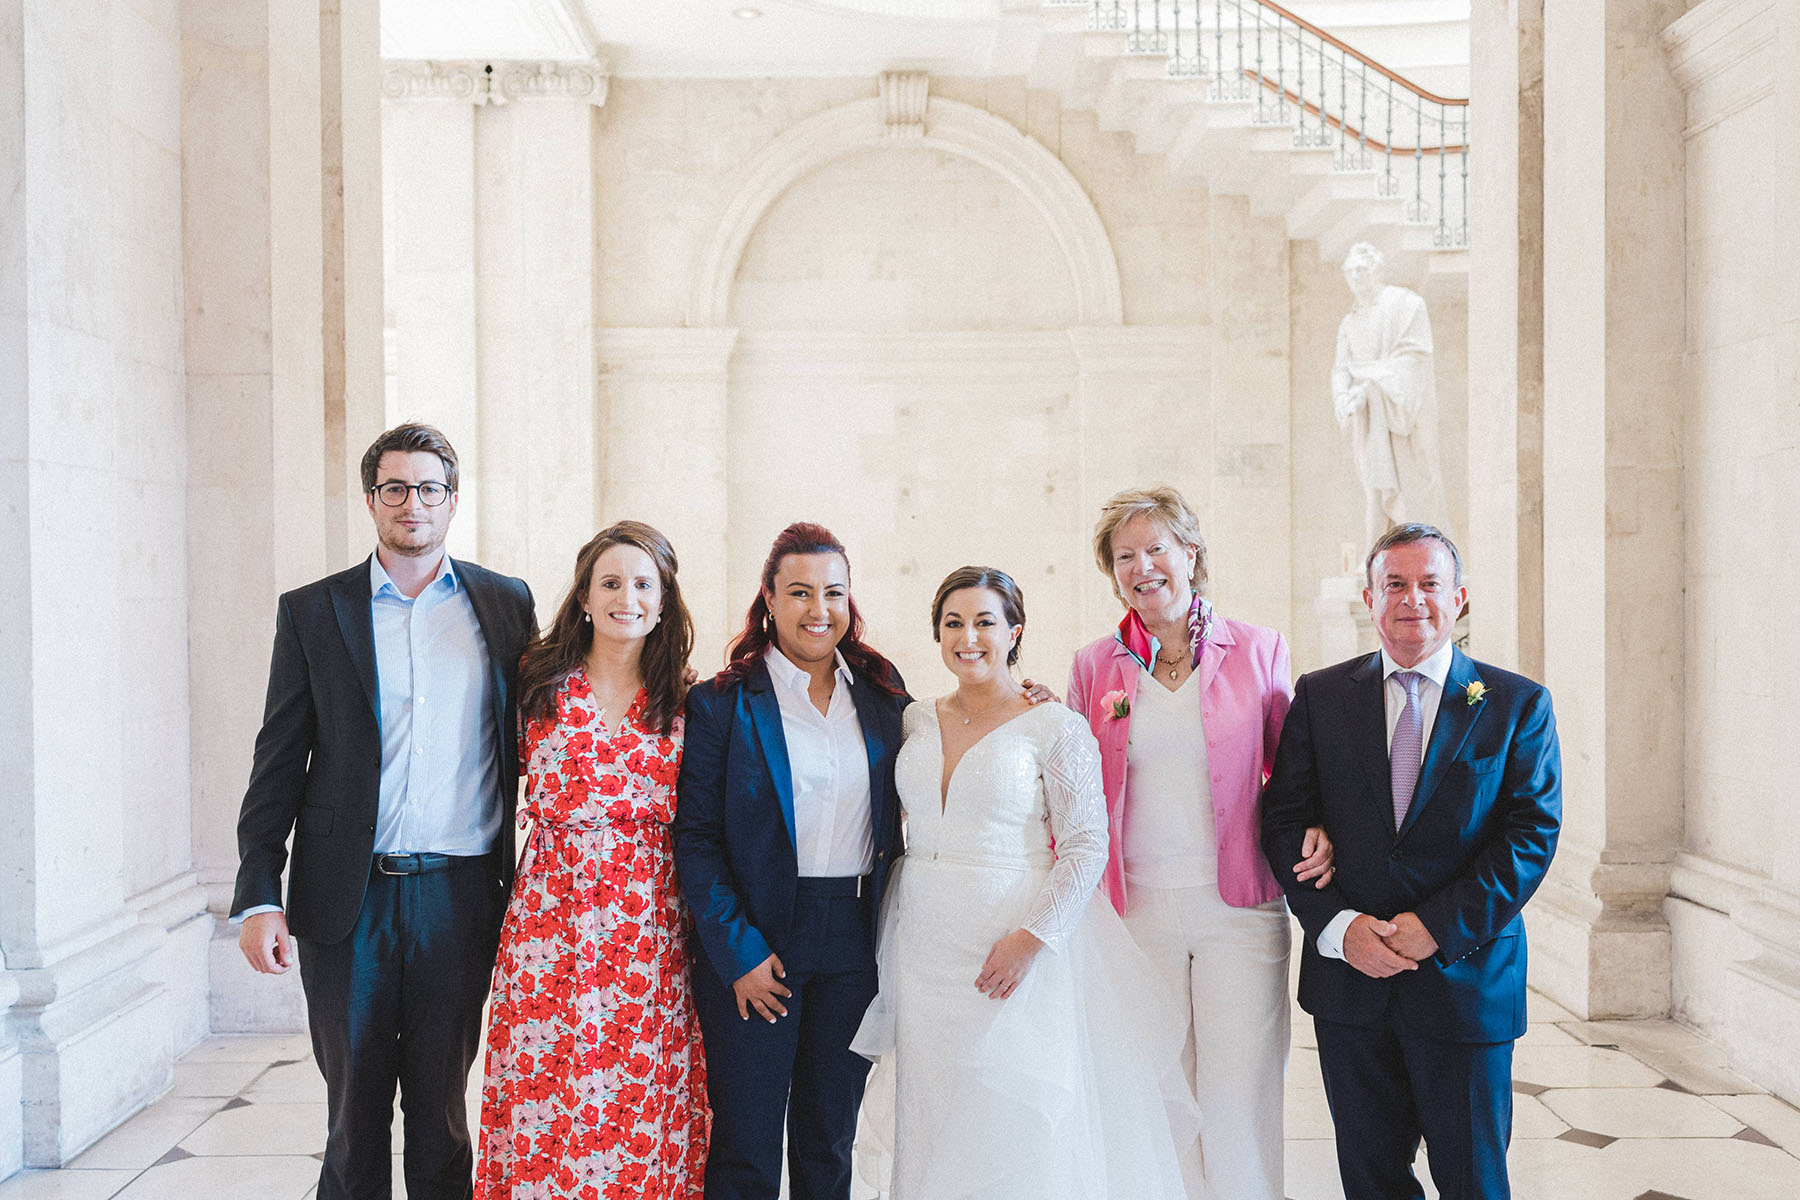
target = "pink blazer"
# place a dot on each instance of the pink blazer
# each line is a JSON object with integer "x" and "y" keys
{"x": 1245, "y": 691}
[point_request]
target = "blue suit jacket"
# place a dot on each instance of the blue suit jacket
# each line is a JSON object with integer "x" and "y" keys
{"x": 1473, "y": 848}
{"x": 734, "y": 814}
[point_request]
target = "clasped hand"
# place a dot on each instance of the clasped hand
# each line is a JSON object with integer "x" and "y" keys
{"x": 761, "y": 989}
{"x": 1380, "y": 948}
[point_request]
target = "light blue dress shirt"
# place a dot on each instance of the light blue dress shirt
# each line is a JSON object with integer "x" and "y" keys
{"x": 440, "y": 780}
{"x": 440, "y": 789}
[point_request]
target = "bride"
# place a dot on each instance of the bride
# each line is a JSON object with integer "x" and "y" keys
{"x": 1024, "y": 1042}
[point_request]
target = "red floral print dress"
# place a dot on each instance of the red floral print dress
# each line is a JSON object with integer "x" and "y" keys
{"x": 596, "y": 1086}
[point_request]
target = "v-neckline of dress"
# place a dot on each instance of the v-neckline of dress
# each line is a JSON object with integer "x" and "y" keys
{"x": 945, "y": 781}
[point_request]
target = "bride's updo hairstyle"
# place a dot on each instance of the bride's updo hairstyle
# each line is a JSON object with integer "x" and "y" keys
{"x": 1012, "y": 600}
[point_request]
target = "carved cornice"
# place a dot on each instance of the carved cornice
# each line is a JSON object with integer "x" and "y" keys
{"x": 1717, "y": 35}
{"x": 904, "y": 96}
{"x": 475, "y": 82}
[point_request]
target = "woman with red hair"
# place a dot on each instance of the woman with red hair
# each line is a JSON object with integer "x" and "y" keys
{"x": 786, "y": 825}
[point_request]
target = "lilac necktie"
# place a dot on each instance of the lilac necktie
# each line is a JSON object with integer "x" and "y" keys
{"x": 1408, "y": 748}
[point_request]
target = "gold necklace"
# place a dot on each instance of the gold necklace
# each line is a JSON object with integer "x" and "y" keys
{"x": 990, "y": 708}
{"x": 1174, "y": 664}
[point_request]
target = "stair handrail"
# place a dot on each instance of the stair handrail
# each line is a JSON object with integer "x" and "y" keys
{"x": 1359, "y": 56}
{"x": 1264, "y": 35}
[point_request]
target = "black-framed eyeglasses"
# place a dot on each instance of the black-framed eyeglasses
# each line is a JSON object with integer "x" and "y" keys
{"x": 431, "y": 493}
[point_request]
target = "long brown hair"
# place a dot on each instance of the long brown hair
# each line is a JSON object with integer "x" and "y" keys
{"x": 804, "y": 537}
{"x": 564, "y": 646}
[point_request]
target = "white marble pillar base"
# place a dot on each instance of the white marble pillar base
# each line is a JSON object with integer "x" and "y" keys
{"x": 240, "y": 1000}
{"x": 12, "y": 1094}
{"x": 94, "y": 1043}
{"x": 1599, "y": 940}
{"x": 1765, "y": 990}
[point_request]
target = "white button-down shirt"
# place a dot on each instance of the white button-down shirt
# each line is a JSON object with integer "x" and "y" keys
{"x": 439, "y": 750}
{"x": 1393, "y": 697}
{"x": 834, "y": 831}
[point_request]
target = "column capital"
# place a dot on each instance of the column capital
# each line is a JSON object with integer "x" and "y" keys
{"x": 494, "y": 82}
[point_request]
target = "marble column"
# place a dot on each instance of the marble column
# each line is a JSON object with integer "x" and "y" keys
{"x": 1504, "y": 542}
{"x": 102, "y": 928}
{"x": 534, "y": 309}
{"x": 660, "y": 458}
{"x": 281, "y": 248}
{"x": 1613, "y": 606}
{"x": 1734, "y": 901}
{"x": 428, "y": 215}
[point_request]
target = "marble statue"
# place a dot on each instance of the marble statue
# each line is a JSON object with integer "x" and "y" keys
{"x": 1384, "y": 391}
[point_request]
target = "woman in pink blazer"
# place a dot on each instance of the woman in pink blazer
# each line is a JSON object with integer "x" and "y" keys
{"x": 1187, "y": 707}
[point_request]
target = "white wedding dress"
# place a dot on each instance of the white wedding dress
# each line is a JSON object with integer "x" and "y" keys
{"x": 1060, "y": 1091}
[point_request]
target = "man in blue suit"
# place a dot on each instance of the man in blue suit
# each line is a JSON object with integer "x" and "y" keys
{"x": 1439, "y": 781}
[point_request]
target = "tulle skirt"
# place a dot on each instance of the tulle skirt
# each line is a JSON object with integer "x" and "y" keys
{"x": 1069, "y": 1089}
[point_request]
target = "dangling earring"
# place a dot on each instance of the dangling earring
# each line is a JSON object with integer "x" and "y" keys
{"x": 587, "y": 618}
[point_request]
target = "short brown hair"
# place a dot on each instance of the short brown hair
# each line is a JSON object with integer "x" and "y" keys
{"x": 1012, "y": 600}
{"x": 1404, "y": 535}
{"x": 407, "y": 439}
{"x": 1165, "y": 504}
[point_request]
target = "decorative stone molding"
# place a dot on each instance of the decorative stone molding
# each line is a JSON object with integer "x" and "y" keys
{"x": 900, "y": 357}
{"x": 1717, "y": 35}
{"x": 495, "y": 82}
{"x": 1140, "y": 349}
{"x": 558, "y": 81}
{"x": 948, "y": 126}
{"x": 663, "y": 353}
{"x": 435, "y": 81}
{"x": 904, "y": 95}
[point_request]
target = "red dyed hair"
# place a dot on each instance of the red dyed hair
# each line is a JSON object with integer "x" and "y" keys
{"x": 803, "y": 537}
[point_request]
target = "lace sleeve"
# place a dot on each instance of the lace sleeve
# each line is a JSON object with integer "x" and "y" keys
{"x": 1078, "y": 823}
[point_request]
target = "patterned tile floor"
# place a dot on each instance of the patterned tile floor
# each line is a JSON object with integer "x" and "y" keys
{"x": 1605, "y": 1111}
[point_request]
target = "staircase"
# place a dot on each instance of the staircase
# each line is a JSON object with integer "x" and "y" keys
{"x": 1245, "y": 98}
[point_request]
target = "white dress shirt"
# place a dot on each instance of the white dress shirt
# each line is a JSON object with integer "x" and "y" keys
{"x": 1393, "y": 697}
{"x": 834, "y": 831}
{"x": 1171, "y": 839}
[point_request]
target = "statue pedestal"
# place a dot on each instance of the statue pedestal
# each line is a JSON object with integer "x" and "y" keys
{"x": 1344, "y": 626}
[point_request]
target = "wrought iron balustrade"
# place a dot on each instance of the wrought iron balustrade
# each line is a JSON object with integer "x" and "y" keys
{"x": 1291, "y": 72}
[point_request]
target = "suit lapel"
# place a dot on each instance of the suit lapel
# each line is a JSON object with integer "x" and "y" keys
{"x": 765, "y": 716}
{"x": 868, "y": 715}
{"x": 481, "y": 599}
{"x": 350, "y": 600}
{"x": 1212, "y": 654}
{"x": 1368, "y": 735}
{"x": 1455, "y": 717}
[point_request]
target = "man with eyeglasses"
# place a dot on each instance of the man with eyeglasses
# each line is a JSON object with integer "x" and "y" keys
{"x": 387, "y": 752}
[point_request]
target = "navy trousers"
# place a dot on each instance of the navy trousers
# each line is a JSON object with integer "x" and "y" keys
{"x": 800, "y": 1067}
{"x": 398, "y": 1002}
{"x": 1387, "y": 1087}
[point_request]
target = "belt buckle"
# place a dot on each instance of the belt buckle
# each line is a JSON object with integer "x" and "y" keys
{"x": 382, "y": 861}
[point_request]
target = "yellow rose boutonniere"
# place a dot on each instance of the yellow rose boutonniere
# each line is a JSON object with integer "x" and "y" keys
{"x": 1475, "y": 693}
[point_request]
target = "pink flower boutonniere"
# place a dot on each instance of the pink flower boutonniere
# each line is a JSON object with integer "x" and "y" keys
{"x": 1475, "y": 693}
{"x": 1118, "y": 705}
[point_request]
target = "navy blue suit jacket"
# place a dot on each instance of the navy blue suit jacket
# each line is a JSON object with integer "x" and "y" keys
{"x": 317, "y": 771}
{"x": 1473, "y": 848}
{"x": 734, "y": 814}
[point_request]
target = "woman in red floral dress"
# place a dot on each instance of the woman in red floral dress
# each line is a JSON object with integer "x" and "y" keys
{"x": 596, "y": 1087}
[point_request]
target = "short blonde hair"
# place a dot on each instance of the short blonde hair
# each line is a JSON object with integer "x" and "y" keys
{"x": 1164, "y": 504}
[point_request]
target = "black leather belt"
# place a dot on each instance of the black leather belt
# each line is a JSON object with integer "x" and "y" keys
{"x": 422, "y": 864}
{"x": 833, "y": 885}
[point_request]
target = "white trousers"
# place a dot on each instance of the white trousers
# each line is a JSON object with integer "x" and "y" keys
{"x": 1231, "y": 964}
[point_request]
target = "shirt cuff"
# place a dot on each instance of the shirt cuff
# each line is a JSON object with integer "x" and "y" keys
{"x": 238, "y": 918}
{"x": 1331, "y": 940}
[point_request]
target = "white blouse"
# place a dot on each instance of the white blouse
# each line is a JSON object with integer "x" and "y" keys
{"x": 1171, "y": 839}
